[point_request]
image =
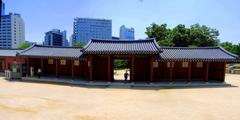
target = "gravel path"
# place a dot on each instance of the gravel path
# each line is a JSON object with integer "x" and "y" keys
{"x": 28, "y": 101}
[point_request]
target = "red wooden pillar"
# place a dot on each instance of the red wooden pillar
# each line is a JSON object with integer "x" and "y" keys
{"x": 151, "y": 69}
{"x": 207, "y": 70}
{"x": 171, "y": 71}
{"x": 72, "y": 69}
{"x": 109, "y": 67}
{"x": 189, "y": 71}
{"x": 56, "y": 68}
{"x": 132, "y": 67}
{"x": 90, "y": 67}
{"x": 42, "y": 65}
{"x": 82, "y": 68}
{"x": 28, "y": 66}
{"x": 224, "y": 71}
{"x": 5, "y": 65}
{"x": 3, "y": 62}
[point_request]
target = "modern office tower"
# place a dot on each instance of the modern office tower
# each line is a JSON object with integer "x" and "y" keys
{"x": 71, "y": 41}
{"x": 126, "y": 33}
{"x": 56, "y": 38}
{"x": 64, "y": 38}
{"x": 2, "y": 8}
{"x": 53, "y": 38}
{"x": 85, "y": 29}
{"x": 12, "y": 31}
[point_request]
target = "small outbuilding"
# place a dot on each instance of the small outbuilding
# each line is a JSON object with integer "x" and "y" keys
{"x": 7, "y": 57}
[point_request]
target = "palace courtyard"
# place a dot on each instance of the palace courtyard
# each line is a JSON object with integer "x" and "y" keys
{"x": 41, "y": 101}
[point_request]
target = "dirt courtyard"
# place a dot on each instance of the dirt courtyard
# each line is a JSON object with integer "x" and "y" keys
{"x": 36, "y": 101}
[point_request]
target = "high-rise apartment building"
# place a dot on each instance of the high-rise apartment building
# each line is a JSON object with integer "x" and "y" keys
{"x": 12, "y": 31}
{"x": 126, "y": 33}
{"x": 85, "y": 29}
{"x": 56, "y": 38}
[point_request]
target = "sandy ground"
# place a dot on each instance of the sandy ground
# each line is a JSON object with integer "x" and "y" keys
{"x": 36, "y": 101}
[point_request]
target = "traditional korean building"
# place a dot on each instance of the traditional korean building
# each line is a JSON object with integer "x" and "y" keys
{"x": 56, "y": 61}
{"x": 193, "y": 64}
{"x": 8, "y": 56}
{"x": 140, "y": 53}
{"x": 148, "y": 61}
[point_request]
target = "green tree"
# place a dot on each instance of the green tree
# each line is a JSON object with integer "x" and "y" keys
{"x": 235, "y": 49}
{"x": 238, "y": 49}
{"x": 23, "y": 46}
{"x": 203, "y": 36}
{"x": 121, "y": 64}
{"x": 180, "y": 36}
{"x": 79, "y": 44}
{"x": 160, "y": 33}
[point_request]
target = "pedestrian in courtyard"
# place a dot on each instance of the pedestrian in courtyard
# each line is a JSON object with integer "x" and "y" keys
{"x": 126, "y": 76}
{"x": 39, "y": 73}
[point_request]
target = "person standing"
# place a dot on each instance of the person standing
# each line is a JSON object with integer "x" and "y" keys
{"x": 39, "y": 73}
{"x": 126, "y": 76}
{"x": 32, "y": 71}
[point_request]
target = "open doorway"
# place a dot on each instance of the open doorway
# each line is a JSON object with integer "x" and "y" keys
{"x": 121, "y": 69}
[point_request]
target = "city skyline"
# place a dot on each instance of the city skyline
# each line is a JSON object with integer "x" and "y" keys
{"x": 221, "y": 15}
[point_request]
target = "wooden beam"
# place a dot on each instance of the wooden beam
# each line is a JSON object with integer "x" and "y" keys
{"x": 189, "y": 71}
{"x": 151, "y": 69}
{"x": 72, "y": 69}
{"x": 171, "y": 71}
{"x": 207, "y": 70}
{"x": 56, "y": 67}
{"x": 132, "y": 67}
{"x": 109, "y": 67}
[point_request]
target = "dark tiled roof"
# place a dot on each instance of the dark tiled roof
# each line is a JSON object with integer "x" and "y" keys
{"x": 195, "y": 54}
{"x": 122, "y": 47}
{"x": 38, "y": 51}
{"x": 9, "y": 52}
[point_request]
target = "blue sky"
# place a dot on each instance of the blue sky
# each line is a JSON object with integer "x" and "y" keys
{"x": 41, "y": 16}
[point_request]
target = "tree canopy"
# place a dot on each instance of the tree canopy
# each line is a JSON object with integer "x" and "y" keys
{"x": 235, "y": 49}
{"x": 23, "y": 46}
{"x": 121, "y": 64}
{"x": 79, "y": 44}
{"x": 181, "y": 36}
